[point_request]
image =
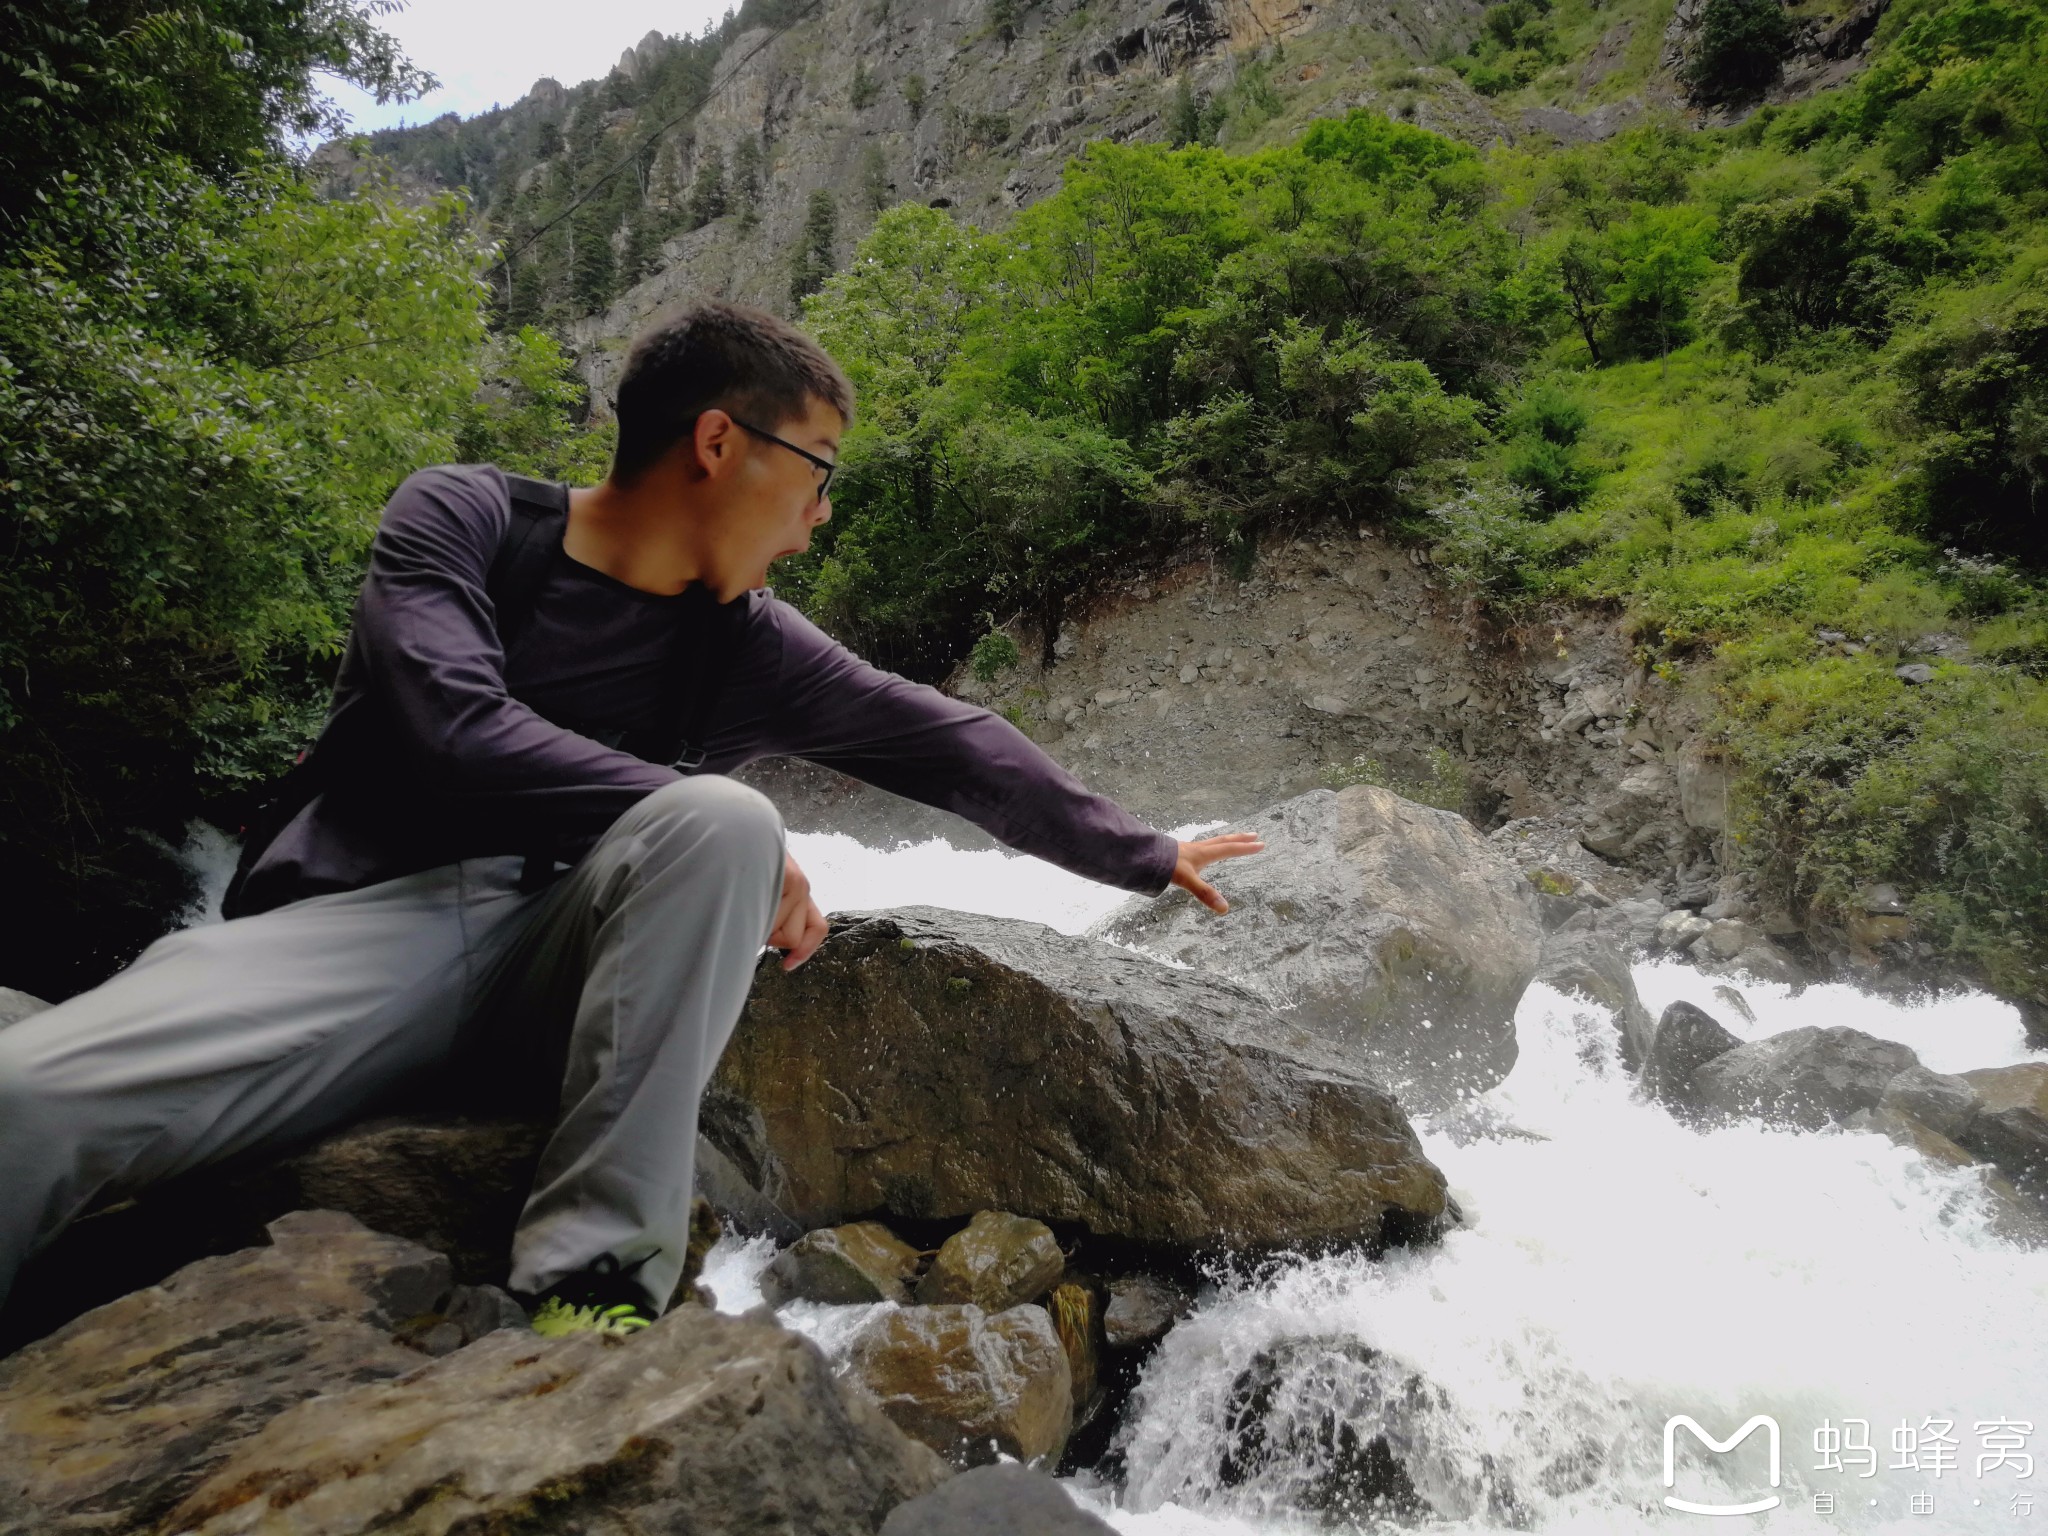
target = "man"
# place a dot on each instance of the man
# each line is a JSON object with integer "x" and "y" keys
{"x": 512, "y": 866}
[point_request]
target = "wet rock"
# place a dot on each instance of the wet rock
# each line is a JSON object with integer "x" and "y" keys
{"x": 1941, "y": 1102}
{"x": 934, "y": 1064}
{"x": 1995, "y": 1114}
{"x": 15, "y": 1006}
{"x": 1579, "y": 960}
{"x": 969, "y": 1384}
{"x": 1809, "y": 1077}
{"x": 1336, "y": 1428}
{"x": 1728, "y": 937}
{"x": 108, "y": 1423}
{"x": 996, "y": 1261}
{"x": 1680, "y": 930}
{"x": 1394, "y": 932}
{"x": 1141, "y": 1309}
{"x": 1732, "y": 997}
{"x": 454, "y": 1184}
{"x": 1006, "y": 1500}
{"x": 1686, "y": 1039}
{"x": 2023, "y": 1086}
{"x": 843, "y": 1266}
{"x": 1641, "y": 821}
{"x": 702, "y": 1422}
{"x": 1763, "y": 961}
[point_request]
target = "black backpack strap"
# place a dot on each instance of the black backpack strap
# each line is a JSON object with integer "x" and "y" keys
{"x": 540, "y": 514}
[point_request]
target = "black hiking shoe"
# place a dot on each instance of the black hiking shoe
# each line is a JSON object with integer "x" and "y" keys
{"x": 602, "y": 1297}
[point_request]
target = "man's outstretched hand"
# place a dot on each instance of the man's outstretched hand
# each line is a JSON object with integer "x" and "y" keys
{"x": 1196, "y": 857}
{"x": 799, "y": 925}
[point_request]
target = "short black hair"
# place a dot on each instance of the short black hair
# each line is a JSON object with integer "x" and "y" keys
{"x": 730, "y": 356}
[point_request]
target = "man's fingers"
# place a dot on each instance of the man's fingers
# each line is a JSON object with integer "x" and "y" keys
{"x": 1205, "y": 893}
{"x": 811, "y": 931}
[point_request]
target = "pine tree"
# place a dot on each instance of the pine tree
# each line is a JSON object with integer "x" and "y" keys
{"x": 812, "y": 261}
{"x": 707, "y": 192}
{"x": 874, "y": 179}
{"x": 748, "y": 177}
{"x": 913, "y": 96}
{"x": 865, "y": 87}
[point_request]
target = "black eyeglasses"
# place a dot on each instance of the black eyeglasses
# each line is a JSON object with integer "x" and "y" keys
{"x": 824, "y": 464}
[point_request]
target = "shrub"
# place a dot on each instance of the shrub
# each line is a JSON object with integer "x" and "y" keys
{"x": 993, "y": 655}
{"x": 1740, "y": 50}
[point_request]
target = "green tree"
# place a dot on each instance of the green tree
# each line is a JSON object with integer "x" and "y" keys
{"x": 813, "y": 259}
{"x": 749, "y": 173}
{"x": 707, "y": 189}
{"x": 865, "y": 87}
{"x": 913, "y": 96}
{"x": 876, "y": 189}
{"x": 1740, "y": 50}
{"x": 1661, "y": 256}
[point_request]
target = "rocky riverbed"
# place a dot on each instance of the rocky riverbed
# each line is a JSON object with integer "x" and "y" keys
{"x": 987, "y": 1192}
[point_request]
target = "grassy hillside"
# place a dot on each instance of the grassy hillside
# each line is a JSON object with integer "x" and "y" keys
{"x": 1778, "y": 391}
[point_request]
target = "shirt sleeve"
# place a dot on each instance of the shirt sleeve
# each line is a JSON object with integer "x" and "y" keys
{"x": 833, "y": 708}
{"x": 426, "y": 641}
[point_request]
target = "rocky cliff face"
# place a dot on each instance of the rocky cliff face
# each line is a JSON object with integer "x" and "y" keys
{"x": 722, "y": 142}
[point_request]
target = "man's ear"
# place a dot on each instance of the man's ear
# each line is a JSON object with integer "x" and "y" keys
{"x": 712, "y": 449}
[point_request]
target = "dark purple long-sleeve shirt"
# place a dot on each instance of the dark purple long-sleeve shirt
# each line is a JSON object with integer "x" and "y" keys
{"x": 440, "y": 746}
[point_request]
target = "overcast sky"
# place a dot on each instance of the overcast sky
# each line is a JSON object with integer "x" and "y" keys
{"x": 489, "y": 52}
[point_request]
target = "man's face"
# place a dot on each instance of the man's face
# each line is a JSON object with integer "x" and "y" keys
{"x": 773, "y": 504}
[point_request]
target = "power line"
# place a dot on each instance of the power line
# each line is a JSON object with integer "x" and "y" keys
{"x": 504, "y": 262}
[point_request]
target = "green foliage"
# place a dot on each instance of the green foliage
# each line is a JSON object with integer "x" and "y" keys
{"x": 994, "y": 654}
{"x": 1515, "y": 43}
{"x": 1740, "y": 50}
{"x": 1484, "y": 542}
{"x": 865, "y": 87}
{"x": 1941, "y": 789}
{"x": 876, "y": 189}
{"x": 1981, "y": 388}
{"x": 210, "y": 380}
{"x": 707, "y": 189}
{"x": 749, "y": 174}
{"x": 813, "y": 259}
{"x": 914, "y": 96}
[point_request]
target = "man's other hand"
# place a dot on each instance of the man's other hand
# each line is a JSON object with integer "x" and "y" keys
{"x": 1196, "y": 857}
{"x": 799, "y": 925}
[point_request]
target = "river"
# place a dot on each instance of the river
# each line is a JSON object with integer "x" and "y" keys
{"x": 1615, "y": 1270}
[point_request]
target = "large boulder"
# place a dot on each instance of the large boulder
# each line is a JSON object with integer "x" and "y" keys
{"x": 107, "y": 1424}
{"x": 1006, "y": 1500}
{"x": 1686, "y": 1038}
{"x": 929, "y": 1064}
{"x": 970, "y": 1384}
{"x": 843, "y": 1266}
{"x": 1578, "y": 959}
{"x": 1337, "y": 1428}
{"x": 996, "y": 1261}
{"x": 702, "y": 1422}
{"x": 1390, "y": 930}
{"x": 452, "y": 1183}
{"x": 1810, "y": 1077}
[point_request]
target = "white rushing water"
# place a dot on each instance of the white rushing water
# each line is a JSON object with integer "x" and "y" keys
{"x": 1614, "y": 1270}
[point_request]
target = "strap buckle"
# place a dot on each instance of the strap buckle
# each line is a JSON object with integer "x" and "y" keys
{"x": 689, "y": 760}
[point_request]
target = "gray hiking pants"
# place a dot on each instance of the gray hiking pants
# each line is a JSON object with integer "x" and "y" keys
{"x": 621, "y": 982}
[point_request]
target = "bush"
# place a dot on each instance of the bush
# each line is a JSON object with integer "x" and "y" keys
{"x": 993, "y": 655}
{"x": 1739, "y": 52}
{"x": 1940, "y": 790}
